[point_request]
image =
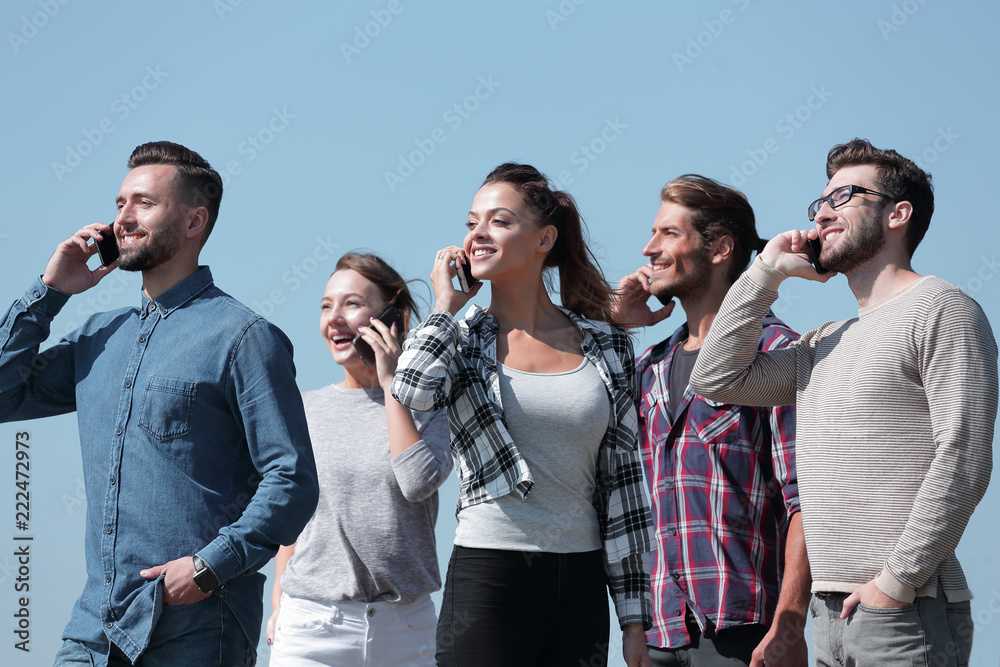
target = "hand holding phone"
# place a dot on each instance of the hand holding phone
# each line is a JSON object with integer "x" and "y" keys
{"x": 813, "y": 248}
{"x": 466, "y": 281}
{"x": 389, "y": 316}
{"x": 107, "y": 247}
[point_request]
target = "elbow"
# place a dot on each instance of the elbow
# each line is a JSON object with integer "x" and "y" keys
{"x": 418, "y": 493}
{"x": 703, "y": 387}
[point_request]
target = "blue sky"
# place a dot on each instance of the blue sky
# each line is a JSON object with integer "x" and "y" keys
{"x": 371, "y": 124}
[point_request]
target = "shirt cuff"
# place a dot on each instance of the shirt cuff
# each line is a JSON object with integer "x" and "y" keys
{"x": 765, "y": 275}
{"x": 630, "y": 610}
{"x": 895, "y": 588}
{"x": 219, "y": 561}
{"x": 44, "y": 299}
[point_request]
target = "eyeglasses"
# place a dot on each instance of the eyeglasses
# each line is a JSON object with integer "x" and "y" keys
{"x": 841, "y": 196}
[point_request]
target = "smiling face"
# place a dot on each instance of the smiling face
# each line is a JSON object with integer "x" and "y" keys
{"x": 852, "y": 234}
{"x": 350, "y": 300}
{"x": 677, "y": 253}
{"x": 504, "y": 237}
{"x": 149, "y": 225}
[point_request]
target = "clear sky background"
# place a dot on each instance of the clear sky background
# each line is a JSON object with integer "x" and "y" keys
{"x": 371, "y": 125}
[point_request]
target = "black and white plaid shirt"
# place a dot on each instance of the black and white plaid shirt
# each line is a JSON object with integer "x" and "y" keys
{"x": 451, "y": 363}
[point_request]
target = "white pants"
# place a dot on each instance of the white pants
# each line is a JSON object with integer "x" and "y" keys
{"x": 354, "y": 634}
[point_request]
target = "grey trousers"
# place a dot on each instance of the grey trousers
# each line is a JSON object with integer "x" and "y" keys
{"x": 931, "y": 632}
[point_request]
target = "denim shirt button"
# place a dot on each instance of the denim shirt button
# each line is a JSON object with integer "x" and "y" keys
{"x": 107, "y": 579}
{"x": 371, "y": 611}
{"x": 128, "y": 383}
{"x": 118, "y": 431}
{"x": 37, "y": 294}
{"x": 142, "y": 339}
{"x": 109, "y": 624}
{"x": 112, "y": 481}
{"x": 109, "y": 530}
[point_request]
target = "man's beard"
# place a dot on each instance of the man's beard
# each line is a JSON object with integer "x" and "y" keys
{"x": 157, "y": 248}
{"x": 691, "y": 283}
{"x": 859, "y": 244}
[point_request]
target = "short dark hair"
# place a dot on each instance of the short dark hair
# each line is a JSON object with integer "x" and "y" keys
{"x": 896, "y": 176}
{"x": 717, "y": 210}
{"x": 195, "y": 179}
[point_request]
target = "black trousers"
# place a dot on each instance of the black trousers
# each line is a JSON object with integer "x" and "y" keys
{"x": 521, "y": 609}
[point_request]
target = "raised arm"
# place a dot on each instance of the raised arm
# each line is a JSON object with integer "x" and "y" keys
{"x": 36, "y": 385}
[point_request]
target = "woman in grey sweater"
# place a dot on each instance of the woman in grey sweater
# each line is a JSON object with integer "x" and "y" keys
{"x": 354, "y": 589}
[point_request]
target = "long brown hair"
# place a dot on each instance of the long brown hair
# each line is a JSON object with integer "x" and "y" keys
{"x": 394, "y": 289}
{"x": 583, "y": 288}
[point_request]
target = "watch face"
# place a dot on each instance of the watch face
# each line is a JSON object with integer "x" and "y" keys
{"x": 203, "y": 577}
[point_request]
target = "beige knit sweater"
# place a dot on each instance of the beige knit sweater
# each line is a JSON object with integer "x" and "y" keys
{"x": 896, "y": 410}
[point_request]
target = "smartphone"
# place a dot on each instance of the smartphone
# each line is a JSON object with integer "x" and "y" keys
{"x": 813, "y": 247}
{"x": 465, "y": 280}
{"x": 107, "y": 247}
{"x": 389, "y": 316}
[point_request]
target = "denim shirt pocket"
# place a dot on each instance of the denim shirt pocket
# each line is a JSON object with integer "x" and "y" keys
{"x": 167, "y": 406}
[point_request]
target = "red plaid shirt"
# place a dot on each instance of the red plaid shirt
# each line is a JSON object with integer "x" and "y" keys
{"x": 722, "y": 484}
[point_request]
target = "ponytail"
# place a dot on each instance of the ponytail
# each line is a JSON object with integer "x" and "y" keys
{"x": 583, "y": 288}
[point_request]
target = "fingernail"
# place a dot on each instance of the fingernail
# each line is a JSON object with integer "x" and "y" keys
{"x": 269, "y": 640}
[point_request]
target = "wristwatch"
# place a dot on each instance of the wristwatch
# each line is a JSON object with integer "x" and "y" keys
{"x": 203, "y": 576}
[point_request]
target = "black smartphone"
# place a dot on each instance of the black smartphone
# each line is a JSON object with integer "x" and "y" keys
{"x": 107, "y": 247}
{"x": 813, "y": 247}
{"x": 389, "y": 316}
{"x": 465, "y": 279}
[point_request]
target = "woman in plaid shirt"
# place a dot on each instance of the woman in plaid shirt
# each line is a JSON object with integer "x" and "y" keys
{"x": 540, "y": 399}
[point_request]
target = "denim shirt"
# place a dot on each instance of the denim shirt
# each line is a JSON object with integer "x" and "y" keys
{"x": 194, "y": 441}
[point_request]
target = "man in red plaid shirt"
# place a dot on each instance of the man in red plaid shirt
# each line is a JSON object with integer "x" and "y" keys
{"x": 721, "y": 477}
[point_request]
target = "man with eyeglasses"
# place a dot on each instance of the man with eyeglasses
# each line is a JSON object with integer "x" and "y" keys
{"x": 896, "y": 410}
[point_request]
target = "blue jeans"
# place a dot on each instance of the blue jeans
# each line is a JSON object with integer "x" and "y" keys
{"x": 203, "y": 634}
{"x": 931, "y": 632}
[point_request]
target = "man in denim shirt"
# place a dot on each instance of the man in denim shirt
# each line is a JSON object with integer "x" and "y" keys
{"x": 195, "y": 447}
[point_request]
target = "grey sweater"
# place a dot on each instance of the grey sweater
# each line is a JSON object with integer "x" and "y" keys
{"x": 896, "y": 410}
{"x": 372, "y": 536}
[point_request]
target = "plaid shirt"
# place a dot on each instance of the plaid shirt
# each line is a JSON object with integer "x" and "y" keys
{"x": 447, "y": 363}
{"x": 722, "y": 482}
